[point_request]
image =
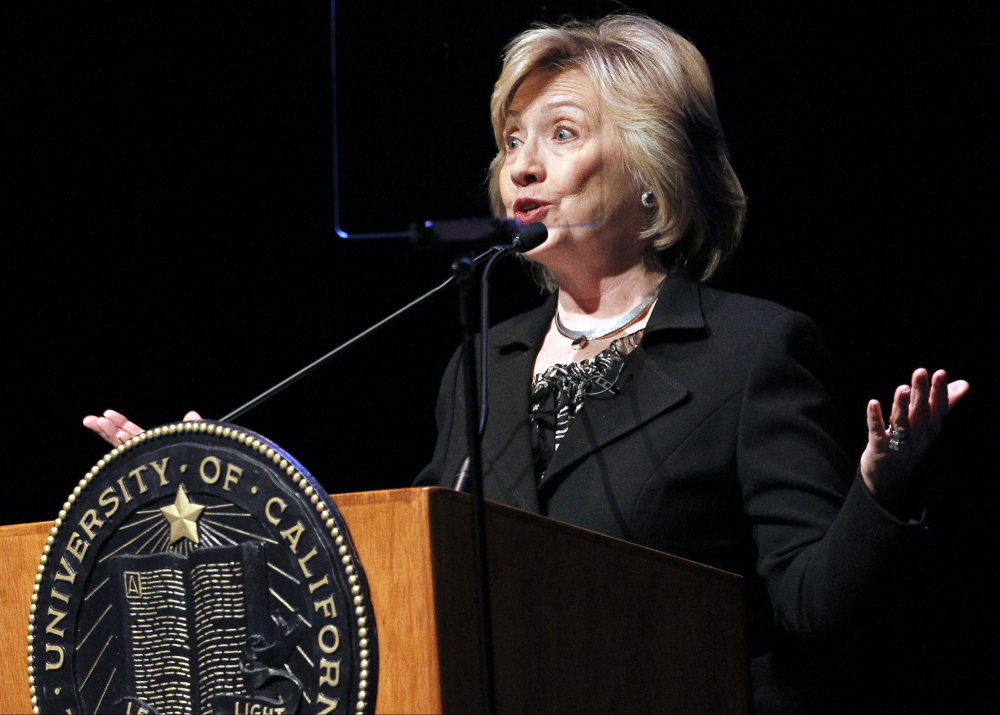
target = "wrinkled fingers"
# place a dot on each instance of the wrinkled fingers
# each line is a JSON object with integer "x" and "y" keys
{"x": 899, "y": 421}
{"x": 900, "y": 417}
{"x": 876, "y": 426}
{"x": 919, "y": 411}
{"x": 104, "y": 427}
{"x": 123, "y": 423}
{"x": 938, "y": 403}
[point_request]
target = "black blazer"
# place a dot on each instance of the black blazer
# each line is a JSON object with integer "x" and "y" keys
{"x": 719, "y": 448}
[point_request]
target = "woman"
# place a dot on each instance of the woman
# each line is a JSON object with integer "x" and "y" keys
{"x": 638, "y": 401}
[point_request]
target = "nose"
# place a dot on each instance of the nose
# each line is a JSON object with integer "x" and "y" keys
{"x": 526, "y": 166}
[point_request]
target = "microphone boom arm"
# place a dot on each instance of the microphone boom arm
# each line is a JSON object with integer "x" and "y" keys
{"x": 525, "y": 238}
{"x": 360, "y": 337}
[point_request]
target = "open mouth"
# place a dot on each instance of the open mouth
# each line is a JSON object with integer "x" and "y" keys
{"x": 527, "y": 210}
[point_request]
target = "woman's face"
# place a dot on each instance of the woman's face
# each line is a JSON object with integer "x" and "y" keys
{"x": 564, "y": 167}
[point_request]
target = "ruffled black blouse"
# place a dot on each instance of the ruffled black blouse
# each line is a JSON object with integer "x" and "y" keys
{"x": 559, "y": 393}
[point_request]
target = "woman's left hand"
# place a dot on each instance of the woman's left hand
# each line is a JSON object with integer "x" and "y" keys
{"x": 918, "y": 411}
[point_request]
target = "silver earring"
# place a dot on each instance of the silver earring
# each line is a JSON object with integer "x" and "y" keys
{"x": 649, "y": 199}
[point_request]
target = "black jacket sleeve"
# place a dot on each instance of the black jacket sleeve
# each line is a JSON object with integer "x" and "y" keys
{"x": 819, "y": 550}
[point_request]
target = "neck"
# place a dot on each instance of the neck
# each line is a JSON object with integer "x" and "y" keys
{"x": 588, "y": 301}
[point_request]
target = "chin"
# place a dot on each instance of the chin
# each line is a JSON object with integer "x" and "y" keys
{"x": 535, "y": 252}
{"x": 550, "y": 254}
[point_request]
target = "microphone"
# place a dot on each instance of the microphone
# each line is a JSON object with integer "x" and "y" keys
{"x": 521, "y": 237}
{"x": 529, "y": 236}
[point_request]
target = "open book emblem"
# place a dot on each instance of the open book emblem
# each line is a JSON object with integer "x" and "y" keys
{"x": 201, "y": 570}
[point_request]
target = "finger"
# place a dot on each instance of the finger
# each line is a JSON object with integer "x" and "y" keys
{"x": 90, "y": 422}
{"x": 108, "y": 430}
{"x": 955, "y": 392}
{"x": 900, "y": 417}
{"x": 191, "y": 416}
{"x": 124, "y": 429}
{"x": 919, "y": 410}
{"x": 117, "y": 418}
{"x": 876, "y": 426}
{"x": 939, "y": 398}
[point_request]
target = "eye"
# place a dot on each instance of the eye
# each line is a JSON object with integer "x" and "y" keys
{"x": 563, "y": 135}
{"x": 513, "y": 143}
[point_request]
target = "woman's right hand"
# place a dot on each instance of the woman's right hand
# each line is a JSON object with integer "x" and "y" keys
{"x": 115, "y": 428}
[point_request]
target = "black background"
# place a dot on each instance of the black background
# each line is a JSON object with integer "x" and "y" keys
{"x": 166, "y": 213}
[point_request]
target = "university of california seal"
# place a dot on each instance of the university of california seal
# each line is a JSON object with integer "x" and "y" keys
{"x": 198, "y": 568}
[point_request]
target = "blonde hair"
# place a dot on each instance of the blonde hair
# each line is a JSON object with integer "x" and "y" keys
{"x": 657, "y": 93}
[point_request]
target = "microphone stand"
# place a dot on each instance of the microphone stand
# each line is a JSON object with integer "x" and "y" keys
{"x": 316, "y": 364}
{"x": 524, "y": 239}
{"x": 463, "y": 272}
{"x": 461, "y": 483}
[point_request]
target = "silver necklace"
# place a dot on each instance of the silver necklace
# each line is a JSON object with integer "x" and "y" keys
{"x": 580, "y": 338}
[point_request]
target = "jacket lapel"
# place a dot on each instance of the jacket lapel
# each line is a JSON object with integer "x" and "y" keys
{"x": 507, "y": 449}
{"x": 646, "y": 390}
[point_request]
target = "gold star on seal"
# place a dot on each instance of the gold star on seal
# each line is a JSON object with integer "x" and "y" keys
{"x": 182, "y": 515}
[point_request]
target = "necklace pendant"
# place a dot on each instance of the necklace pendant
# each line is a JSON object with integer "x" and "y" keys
{"x": 582, "y": 339}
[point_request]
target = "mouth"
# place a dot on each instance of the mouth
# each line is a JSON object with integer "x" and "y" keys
{"x": 527, "y": 210}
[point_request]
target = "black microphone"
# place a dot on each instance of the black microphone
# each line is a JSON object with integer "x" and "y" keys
{"x": 521, "y": 237}
{"x": 529, "y": 236}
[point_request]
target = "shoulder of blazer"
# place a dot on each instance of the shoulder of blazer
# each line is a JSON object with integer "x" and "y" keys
{"x": 525, "y": 331}
{"x": 687, "y": 309}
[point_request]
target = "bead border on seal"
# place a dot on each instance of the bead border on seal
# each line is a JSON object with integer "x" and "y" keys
{"x": 297, "y": 478}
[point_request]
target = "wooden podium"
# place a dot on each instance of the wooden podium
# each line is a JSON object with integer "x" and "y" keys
{"x": 582, "y": 622}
